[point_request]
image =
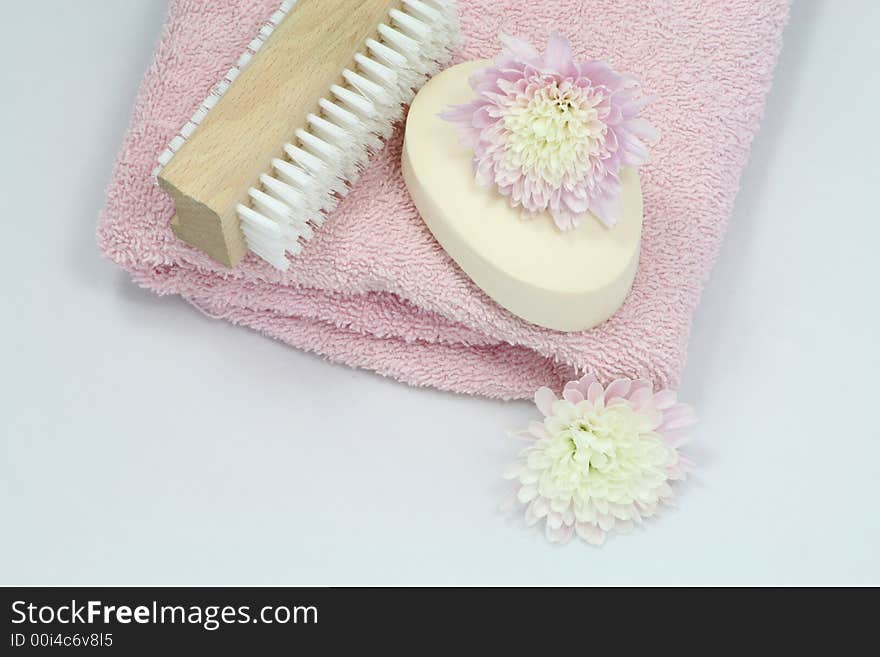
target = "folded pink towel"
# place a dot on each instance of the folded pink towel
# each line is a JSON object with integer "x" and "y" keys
{"x": 375, "y": 290}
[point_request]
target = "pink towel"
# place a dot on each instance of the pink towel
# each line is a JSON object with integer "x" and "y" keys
{"x": 374, "y": 289}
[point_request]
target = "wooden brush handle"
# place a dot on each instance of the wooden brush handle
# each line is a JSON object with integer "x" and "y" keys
{"x": 213, "y": 171}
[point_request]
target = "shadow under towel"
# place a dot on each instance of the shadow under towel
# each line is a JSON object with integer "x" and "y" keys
{"x": 375, "y": 290}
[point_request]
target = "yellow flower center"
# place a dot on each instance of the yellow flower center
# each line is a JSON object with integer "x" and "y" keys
{"x": 607, "y": 452}
{"x": 553, "y": 134}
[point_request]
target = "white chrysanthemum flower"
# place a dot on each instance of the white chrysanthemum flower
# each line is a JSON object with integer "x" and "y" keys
{"x": 603, "y": 459}
{"x": 552, "y": 133}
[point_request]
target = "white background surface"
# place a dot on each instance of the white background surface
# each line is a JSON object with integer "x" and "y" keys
{"x": 145, "y": 443}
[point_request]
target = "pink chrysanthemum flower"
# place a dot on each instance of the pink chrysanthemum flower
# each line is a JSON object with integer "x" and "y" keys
{"x": 603, "y": 459}
{"x": 552, "y": 133}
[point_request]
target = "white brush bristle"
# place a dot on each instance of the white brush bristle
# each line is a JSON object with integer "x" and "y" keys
{"x": 327, "y": 155}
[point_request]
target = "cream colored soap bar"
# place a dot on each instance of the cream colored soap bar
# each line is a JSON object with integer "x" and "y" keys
{"x": 568, "y": 281}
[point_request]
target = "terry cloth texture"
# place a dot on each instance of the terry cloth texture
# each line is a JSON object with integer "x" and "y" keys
{"x": 375, "y": 290}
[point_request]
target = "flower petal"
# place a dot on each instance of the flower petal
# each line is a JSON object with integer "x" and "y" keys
{"x": 558, "y": 55}
{"x": 531, "y": 518}
{"x": 540, "y": 507}
{"x": 560, "y": 534}
{"x": 675, "y": 438}
{"x": 679, "y": 417}
{"x": 618, "y": 388}
{"x": 595, "y": 393}
{"x": 512, "y": 471}
{"x": 537, "y": 430}
{"x": 572, "y": 394}
{"x": 607, "y": 208}
{"x": 641, "y": 397}
{"x": 527, "y": 493}
{"x": 638, "y": 384}
{"x": 643, "y": 130}
{"x": 544, "y": 399}
{"x": 687, "y": 464}
{"x": 519, "y": 48}
{"x": 623, "y": 526}
{"x": 606, "y": 521}
{"x": 665, "y": 399}
{"x": 584, "y": 383}
{"x": 590, "y": 533}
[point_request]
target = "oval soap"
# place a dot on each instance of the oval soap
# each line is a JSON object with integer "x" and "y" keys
{"x": 567, "y": 281}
